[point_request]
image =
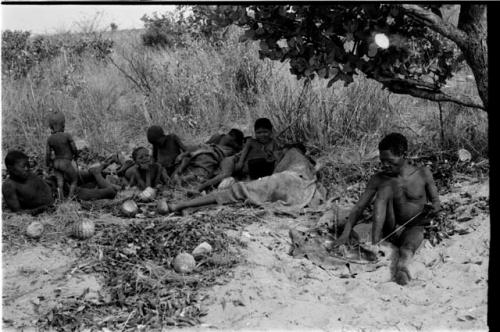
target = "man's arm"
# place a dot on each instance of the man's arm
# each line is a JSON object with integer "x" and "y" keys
{"x": 243, "y": 156}
{"x": 431, "y": 191}
{"x": 357, "y": 210}
{"x": 179, "y": 142}
{"x": 227, "y": 168}
{"x": 10, "y": 195}
{"x": 214, "y": 139}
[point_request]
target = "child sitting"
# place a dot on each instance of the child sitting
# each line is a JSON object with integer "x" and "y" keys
{"x": 166, "y": 148}
{"x": 259, "y": 154}
{"x": 145, "y": 173}
{"x": 65, "y": 151}
{"x": 24, "y": 190}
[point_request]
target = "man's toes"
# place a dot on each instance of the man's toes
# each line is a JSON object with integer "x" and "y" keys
{"x": 402, "y": 277}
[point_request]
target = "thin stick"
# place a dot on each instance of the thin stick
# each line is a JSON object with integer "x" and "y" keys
{"x": 441, "y": 123}
{"x": 400, "y": 227}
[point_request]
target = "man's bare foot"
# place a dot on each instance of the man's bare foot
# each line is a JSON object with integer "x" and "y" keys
{"x": 402, "y": 276}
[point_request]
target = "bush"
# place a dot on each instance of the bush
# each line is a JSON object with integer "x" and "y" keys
{"x": 21, "y": 53}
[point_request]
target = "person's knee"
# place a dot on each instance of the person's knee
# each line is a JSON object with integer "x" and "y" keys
{"x": 411, "y": 239}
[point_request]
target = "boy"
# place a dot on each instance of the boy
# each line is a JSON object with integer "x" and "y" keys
{"x": 401, "y": 192}
{"x": 146, "y": 174}
{"x": 166, "y": 148}
{"x": 64, "y": 152}
{"x": 259, "y": 154}
{"x": 23, "y": 190}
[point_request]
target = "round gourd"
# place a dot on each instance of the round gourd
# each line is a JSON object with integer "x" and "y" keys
{"x": 201, "y": 250}
{"x": 184, "y": 263}
{"x": 34, "y": 230}
{"x": 162, "y": 206}
{"x": 129, "y": 208}
{"x": 147, "y": 194}
{"x": 83, "y": 229}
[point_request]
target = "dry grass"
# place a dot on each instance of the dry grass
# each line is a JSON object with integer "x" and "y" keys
{"x": 204, "y": 89}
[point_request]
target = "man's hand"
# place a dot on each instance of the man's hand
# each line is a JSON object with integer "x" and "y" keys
{"x": 381, "y": 249}
{"x": 340, "y": 241}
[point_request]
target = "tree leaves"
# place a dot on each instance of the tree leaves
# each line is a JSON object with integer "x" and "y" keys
{"x": 319, "y": 38}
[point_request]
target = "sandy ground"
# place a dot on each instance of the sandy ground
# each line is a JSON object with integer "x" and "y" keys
{"x": 272, "y": 290}
{"x": 275, "y": 291}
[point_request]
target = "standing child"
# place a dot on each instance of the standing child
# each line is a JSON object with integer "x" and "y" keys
{"x": 260, "y": 154}
{"x": 166, "y": 148}
{"x": 65, "y": 151}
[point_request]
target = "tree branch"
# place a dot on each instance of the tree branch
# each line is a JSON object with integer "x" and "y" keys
{"x": 438, "y": 96}
{"x": 436, "y": 23}
{"x": 407, "y": 82}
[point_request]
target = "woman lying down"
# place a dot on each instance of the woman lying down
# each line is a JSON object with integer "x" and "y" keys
{"x": 290, "y": 188}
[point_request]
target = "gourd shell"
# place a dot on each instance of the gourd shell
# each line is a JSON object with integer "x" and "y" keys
{"x": 184, "y": 263}
{"x": 147, "y": 194}
{"x": 129, "y": 208}
{"x": 162, "y": 206}
{"x": 83, "y": 229}
{"x": 201, "y": 250}
{"x": 34, "y": 230}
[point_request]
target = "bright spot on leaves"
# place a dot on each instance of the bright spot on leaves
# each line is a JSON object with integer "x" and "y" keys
{"x": 381, "y": 40}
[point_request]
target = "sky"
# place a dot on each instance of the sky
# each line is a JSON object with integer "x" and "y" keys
{"x": 59, "y": 18}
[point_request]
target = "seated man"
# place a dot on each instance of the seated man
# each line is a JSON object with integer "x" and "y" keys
{"x": 292, "y": 187}
{"x": 24, "y": 190}
{"x": 403, "y": 193}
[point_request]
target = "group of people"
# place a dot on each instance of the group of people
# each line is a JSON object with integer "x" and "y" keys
{"x": 264, "y": 171}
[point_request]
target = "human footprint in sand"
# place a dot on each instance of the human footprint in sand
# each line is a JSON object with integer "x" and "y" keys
{"x": 404, "y": 194}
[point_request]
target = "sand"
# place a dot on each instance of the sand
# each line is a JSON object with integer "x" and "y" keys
{"x": 271, "y": 290}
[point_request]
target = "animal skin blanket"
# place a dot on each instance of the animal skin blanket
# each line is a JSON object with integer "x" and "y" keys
{"x": 292, "y": 187}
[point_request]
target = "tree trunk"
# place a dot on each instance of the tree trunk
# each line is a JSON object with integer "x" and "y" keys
{"x": 473, "y": 22}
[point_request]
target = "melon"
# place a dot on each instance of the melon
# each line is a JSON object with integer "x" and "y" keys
{"x": 201, "y": 250}
{"x": 147, "y": 194}
{"x": 162, "y": 206}
{"x": 226, "y": 183}
{"x": 184, "y": 263}
{"x": 129, "y": 208}
{"x": 34, "y": 230}
{"x": 83, "y": 229}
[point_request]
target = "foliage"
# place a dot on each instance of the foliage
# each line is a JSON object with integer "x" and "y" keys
{"x": 21, "y": 52}
{"x": 142, "y": 288}
{"x": 176, "y": 29}
{"x": 337, "y": 41}
{"x": 162, "y": 31}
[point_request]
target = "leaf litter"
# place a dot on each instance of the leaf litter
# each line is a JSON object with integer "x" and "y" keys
{"x": 141, "y": 286}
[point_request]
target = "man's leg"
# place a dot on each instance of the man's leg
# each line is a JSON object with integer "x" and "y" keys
{"x": 410, "y": 240}
{"x": 195, "y": 202}
{"x": 383, "y": 213}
